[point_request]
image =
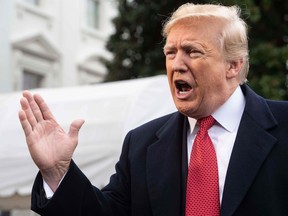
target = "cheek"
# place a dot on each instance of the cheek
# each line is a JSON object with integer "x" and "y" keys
{"x": 210, "y": 74}
{"x": 169, "y": 73}
{"x": 168, "y": 66}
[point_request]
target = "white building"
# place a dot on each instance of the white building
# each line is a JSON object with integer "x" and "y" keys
{"x": 52, "y": 43}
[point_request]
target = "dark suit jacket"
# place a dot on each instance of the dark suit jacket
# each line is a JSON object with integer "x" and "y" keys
{"x": 151, "y": 172}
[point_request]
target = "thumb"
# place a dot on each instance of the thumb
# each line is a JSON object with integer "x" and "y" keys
{"x": 75, "y": 127}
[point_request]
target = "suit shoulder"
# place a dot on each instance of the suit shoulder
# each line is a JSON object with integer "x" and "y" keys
{"x": 280, "y": 107}
{"x": 279, "y": 110}
{"x": 157, "y": 123}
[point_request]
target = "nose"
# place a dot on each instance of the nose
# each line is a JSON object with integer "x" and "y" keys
{"x": 179, "y": 64}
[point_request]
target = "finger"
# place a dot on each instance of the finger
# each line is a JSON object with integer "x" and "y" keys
{"x": 74, "y": 128}
{"x": 46, "y": 113}
{"x": 24, "y": 123}
{"x": 29, "y": 116}
{"x": 34, "y": 106}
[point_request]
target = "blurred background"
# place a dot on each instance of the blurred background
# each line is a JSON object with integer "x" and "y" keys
{"x": 66, "y": 49}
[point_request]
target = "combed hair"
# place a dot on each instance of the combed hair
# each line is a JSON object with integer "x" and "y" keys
{"x": 233, "y": 38}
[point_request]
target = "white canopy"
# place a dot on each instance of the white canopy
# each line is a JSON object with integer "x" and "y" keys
{"x": 109, "y": 110}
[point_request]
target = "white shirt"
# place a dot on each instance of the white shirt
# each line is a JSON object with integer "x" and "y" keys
{"x": 222, "y": 133}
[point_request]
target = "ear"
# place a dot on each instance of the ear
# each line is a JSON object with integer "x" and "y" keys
{"x": 234, "y": 68}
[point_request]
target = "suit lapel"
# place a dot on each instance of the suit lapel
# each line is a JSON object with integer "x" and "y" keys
{"x": 164, "y": 168}
{"x": 252, "y": 145}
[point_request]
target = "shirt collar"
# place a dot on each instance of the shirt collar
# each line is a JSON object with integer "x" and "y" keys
{"x": 229, "y": 114}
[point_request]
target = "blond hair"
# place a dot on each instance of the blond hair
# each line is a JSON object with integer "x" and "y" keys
{"x": 233, "y": 38}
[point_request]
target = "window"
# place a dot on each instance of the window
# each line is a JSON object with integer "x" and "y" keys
{"x": 93, "y": 13}
{"x": 32, "y": 80}
{"x": 33, "y": 2}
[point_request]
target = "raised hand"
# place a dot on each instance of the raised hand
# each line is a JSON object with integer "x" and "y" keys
{"x": 51, "y": 148}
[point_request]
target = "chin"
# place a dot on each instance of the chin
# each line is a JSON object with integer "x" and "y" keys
{"x": 189, "y": 109}
{"x": 185, "y": 110}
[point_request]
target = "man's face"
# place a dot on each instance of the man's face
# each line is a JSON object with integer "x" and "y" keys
{"x": 196, "y": 68}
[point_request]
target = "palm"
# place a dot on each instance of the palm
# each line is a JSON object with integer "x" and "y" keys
{"x": 50, "y": 146}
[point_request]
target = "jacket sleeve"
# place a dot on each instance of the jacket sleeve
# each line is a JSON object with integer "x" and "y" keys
{"x": 76, "y": 196}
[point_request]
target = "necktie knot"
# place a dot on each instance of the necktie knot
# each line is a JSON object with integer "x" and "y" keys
{"x": 206, "y": 123}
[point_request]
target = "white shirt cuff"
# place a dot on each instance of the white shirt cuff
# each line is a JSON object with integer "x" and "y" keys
{"x": 48, "y": 191}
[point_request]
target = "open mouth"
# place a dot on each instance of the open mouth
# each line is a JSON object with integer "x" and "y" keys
{"x": 183, "y": 87}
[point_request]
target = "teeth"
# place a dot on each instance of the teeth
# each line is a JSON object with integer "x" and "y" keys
{"x": 183, "y": 92}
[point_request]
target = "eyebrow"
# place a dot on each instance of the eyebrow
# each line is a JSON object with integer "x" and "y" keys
{"x": 185, "y": 45}
{"x": 168, "y": 47}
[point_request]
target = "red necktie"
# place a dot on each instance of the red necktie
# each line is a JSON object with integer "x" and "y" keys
{"x": 202, "y": 193}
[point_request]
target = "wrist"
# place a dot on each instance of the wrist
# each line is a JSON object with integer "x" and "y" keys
{"x": 54, "y": 176}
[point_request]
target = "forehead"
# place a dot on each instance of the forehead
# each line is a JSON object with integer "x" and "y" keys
{"x": 205, "y": 29}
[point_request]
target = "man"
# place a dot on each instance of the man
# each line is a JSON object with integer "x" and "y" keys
{"x": 207, "y": 63}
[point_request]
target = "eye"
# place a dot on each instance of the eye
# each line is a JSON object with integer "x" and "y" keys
{"x": 169, "y": 53}
{"x": 194, "y": 52}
